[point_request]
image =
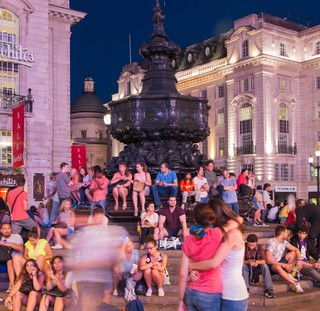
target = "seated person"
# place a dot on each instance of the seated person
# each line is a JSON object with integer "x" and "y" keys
{"x": 128, "y": 258}
{"x": 309, "y": 254}
{"x": 63, "y": 226}
{"x": 201, "y": 184}
{"x": 282, "y": 257}
{"x": 166, "y": 184}
{"x": 121, "y": 182}
{"x": 172, "y": 221}
{"x": 26, "y": 290}
{"x": 274, "y": 212}
{"x": 15, "y": 242}
{"x": 242, "y": 183}
{"x": 149, "y": 221}
{"x": 41, "y": 216}
{"x": 153, "y": 266}
{"x": 254, "y": 264}
{"x": 187, "y": 190}
{"x": 75, "y": 186}
{"x": 37, "y": 249}
{"x": 284, "y": 212}
{"x": 58, "y": 278}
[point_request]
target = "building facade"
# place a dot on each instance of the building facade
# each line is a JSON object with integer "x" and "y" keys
{"x": 87, "y": 126}
{"x": 35, "y": 56}
{"x": 262, "y": 80}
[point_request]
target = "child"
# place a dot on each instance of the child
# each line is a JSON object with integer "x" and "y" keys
{"x": 254, "y": 264}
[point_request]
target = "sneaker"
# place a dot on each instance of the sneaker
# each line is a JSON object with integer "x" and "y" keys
{"x": 157, "y": 209}
{"x": 9, "y": 289}
{"x": 263, "y": 224}
{"x": 57, "y": 246}
{"x": 160, "y": 292}
{"x": 115, "y": 293}
{"x": 269, "y": 293}
{"x": 292, "y": 277}
{"x": 256, "y": 224}
{"x": 149, "y": 292}
{"x": 296, "y": 288}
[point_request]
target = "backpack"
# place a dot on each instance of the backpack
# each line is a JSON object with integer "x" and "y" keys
{"x": 134, "y": 305}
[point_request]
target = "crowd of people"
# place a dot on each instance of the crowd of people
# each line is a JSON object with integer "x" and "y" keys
{"x": 214, "y": 252}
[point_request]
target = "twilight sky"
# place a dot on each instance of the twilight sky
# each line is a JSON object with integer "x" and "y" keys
{"x": 99, "y": 43}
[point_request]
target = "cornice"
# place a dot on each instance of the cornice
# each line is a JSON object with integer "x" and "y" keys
{"x": 69, "y": 16}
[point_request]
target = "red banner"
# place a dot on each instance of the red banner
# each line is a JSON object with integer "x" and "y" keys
{"x": 78, "y": 156}
{"x": 17, "y": 136}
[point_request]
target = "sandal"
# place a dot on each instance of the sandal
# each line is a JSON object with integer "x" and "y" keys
{"x": 124, "y": 206}
{"x": 116, "y": 207}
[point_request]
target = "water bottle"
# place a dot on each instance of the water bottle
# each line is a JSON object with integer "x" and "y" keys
{"x": 9, "y": 306}
{"x": 138, "y": 227}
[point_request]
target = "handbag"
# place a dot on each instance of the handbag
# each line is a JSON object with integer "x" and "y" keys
{"x": 5, "y": 253}
{"x": 26, "y": 287}
{"x": 141, "y": 287}
{"x": 60, "y": 224}
{"x": 56, "y": 292}
{"x": 138, "y": 186}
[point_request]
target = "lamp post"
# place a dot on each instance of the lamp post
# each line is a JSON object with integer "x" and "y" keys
{"x": 317, "y": 167}
{"x": 107, "y": 122}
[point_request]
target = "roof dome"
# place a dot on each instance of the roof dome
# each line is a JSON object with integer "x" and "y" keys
{"x": 88, "y": 101}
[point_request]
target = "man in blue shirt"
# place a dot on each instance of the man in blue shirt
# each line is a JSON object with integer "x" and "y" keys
{"x": 229, "y": 194}
{"x": 166, "y": 184}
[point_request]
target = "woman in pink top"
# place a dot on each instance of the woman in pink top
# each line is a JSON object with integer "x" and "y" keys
{"x": 202, "y": 243}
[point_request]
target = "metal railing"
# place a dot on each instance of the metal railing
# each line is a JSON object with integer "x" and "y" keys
{"x": 9, "y": 101}
{"x": 285, "y": 149}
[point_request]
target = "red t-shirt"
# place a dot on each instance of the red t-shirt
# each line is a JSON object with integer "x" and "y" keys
{"x": 242, "y": 180}
{"x": 187, "y": 186}
{"x": 203, "y": 249}
{"x": 18, "y": 210}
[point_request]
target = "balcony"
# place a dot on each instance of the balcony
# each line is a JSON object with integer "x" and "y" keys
{"x": 285, "y": 149}
{"x": 249, "y": 149}
{"x": 8, "y": 101}
{"x": 91, "y": 140}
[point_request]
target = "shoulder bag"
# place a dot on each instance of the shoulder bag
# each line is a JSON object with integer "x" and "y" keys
{"x": 138, "y": 185}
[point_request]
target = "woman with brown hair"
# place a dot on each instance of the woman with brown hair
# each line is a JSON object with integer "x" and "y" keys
{"x": 26, "y": 290}
{"x": 143, "y": 176}
{"x": 230, "y": 258}
{"x": 121, "y": 182}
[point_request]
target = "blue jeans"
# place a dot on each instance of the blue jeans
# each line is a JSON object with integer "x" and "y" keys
{"x": 159, "y": 190}
{"x": 234, "y": 305}
{"x": 103, "y": 203}
{"x": 234, "y": 206}
{"x": 199, "y": 301}
{"x": 54, "y": 212}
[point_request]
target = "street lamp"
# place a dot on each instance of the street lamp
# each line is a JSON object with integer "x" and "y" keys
{"x": 107, "y": 122}
{"x": 317, "y": 167}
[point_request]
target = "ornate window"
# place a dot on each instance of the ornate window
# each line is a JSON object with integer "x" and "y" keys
{"x": 220, "y": 116}
{"x": 283, "y": 49}
{"x": 5, "y": 148}
{"x": 9, "y": 72}
{"x": 318, "y": 83}
{"x": 204, "y": 94}
{"x": 318, "y": 48}
{"x": 221, "y": 146}
{"x": 220, "y": 91}
{"x": 83, "y": 134}
{"x": 246, "y": 128}
{"x": 283, "y": 128}
{"x": 245, "y": 49}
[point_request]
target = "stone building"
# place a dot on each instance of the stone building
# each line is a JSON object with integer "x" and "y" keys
{"x": 87, "y": 126}
{"x": 262, "y": 80}
{"x": 35, "y": 55}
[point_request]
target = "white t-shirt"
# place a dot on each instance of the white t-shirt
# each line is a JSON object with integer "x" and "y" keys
{"x": 200, "y": 183}
{"x": 273, "y": 212}
{"x": 153, "y": 218}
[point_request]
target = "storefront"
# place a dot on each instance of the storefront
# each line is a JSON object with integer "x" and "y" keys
{"x": 281, "y": 192}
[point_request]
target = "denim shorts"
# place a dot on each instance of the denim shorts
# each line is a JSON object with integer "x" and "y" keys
{"x": 234, "y": 305}
{"x": 197, "y": 300}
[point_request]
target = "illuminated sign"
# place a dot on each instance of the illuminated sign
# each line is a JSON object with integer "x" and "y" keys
{"x": 285, "y": 189}
{"x": 19, "y": 54}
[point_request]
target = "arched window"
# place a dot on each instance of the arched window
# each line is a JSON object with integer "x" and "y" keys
{"x": 245, "y": 118}
{"x": 318, "y": 48}
{"x": 245, "y": 49}
{"x": 283, "y": 128}
{"x": 9, "y": 37}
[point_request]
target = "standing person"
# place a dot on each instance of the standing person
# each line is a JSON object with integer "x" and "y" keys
{"x": 230, "y": 258}
{"x": 282, "y": 257}
{"x": 201, "y": 184}
{"x": 153, "y": 266}
{"x": 63, "y": 183}
{"x": 254, "y": 264}
{"x": 229, "y": 194}
{"x": 52, "y": 196}
{"x": 64, "y": 225}
{"x": 18, "y": 206}
{"x": 187, "y": 190}
{"x": 202, "y": 243}
{"x": 211, "y": 176}
{"x": 149, "y": 221}
{"x": 266, "y": 200}
{"x": 166, "y": 184}
{"x": 26, "y": 290}
{"x": 141, "y": 175}
{"x": 172, "y": 221}
{"x": 121, "y": 181}
{"x": 98, "y": 186}
{"x": 15, "y": 242}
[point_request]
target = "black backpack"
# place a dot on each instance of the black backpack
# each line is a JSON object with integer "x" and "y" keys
{"x": 134, "y": 305}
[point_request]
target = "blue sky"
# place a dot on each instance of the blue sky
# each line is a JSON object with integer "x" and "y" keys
{"x": 99, "y": 43}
